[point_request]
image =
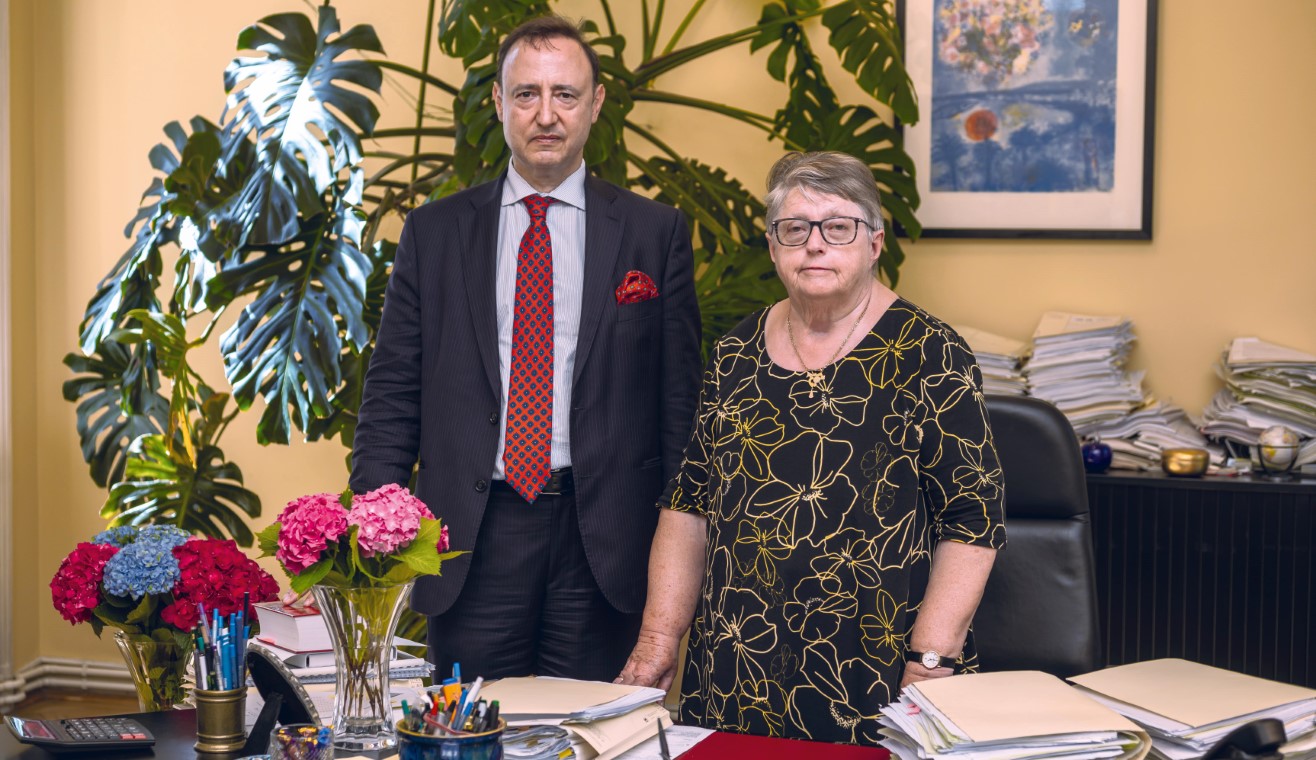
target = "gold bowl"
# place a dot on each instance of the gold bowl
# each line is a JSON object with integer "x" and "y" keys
{"x": 1185, "y": 463}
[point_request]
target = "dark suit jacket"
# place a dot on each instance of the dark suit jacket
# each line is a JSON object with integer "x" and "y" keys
{"x": 432, "y": 392}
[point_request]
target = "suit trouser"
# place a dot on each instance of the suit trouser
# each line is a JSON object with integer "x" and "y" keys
{"x": 530, "y": 604}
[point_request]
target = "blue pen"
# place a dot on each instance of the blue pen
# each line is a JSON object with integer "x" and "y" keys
{"x": 457, "y": 672}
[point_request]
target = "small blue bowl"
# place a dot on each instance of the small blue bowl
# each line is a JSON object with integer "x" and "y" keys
{"x": 483, "y": 746}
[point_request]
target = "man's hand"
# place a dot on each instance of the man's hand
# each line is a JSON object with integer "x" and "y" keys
{"x": 652, "y": 662}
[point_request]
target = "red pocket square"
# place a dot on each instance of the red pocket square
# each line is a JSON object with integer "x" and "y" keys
{"x": 636, "y": 286}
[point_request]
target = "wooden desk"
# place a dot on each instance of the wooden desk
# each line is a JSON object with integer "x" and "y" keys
{"x": 1216, "y": 570}
{"x": 175, "y": 732}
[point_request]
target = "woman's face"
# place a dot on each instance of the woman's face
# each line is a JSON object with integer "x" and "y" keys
{"x": 819, "y": 270}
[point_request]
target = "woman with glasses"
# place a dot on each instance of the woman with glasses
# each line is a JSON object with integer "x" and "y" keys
{"x": 829, "y": 533}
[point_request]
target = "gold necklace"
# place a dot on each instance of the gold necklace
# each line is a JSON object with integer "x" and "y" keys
{"x": 815, "y": 376}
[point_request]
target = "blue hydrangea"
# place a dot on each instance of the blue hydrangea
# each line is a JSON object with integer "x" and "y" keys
{"x": 127, "y": 534}
{"x": 143, "y": 567}
{"x": 164, "y": 533}
{"x": 120, "y": 536}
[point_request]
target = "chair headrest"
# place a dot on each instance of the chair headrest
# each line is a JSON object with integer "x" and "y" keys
{"x": 1039, "y": 454}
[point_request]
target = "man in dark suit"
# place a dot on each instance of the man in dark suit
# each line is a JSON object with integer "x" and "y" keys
{"x": 539, "y": 357}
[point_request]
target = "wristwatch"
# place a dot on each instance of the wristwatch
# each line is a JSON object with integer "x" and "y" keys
{"x": 931, "y": 659}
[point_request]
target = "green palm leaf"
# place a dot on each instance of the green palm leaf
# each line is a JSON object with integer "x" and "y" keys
{"x": 105, "y": 427}
{"x": 274, "y": 102}
{"x": 288, "y": 343}
{"x": 867, "y": 37}
{"x": 205, "y": 498}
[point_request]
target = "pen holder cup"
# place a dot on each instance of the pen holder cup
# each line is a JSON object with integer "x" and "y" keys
{"x": 220, "y": 720}
{"x": 487, "y": 745}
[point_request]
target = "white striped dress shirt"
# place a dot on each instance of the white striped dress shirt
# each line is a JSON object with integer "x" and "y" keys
{"x": 566, "y": 228}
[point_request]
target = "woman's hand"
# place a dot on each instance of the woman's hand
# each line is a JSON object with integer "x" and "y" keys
{"x": 914, "y": 672}
{"x": 652, "y": 662}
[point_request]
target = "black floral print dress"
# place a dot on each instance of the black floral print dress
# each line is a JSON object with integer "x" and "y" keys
{"x": 825, "y": 497}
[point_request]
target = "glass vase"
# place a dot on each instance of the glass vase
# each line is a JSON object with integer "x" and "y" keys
{"x": 158, "y": 667}
{"x": 361, "y": 624}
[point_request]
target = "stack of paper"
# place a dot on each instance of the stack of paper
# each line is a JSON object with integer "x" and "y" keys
{"x": 1265, "y": 384}
{"x": 605, "y": 719}
{"x": 999, "y": 358}
{"x": 1010, "y": 715}
{"x": 1187, "y": 707}
{"x": 1077, "y": 365}
{"x": 1137, "y": 439}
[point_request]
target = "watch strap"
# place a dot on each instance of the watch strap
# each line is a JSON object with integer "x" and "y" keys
{"x": 942, "y": 661}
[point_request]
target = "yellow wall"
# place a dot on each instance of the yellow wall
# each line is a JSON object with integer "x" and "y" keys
{"x": 95, "y": 80}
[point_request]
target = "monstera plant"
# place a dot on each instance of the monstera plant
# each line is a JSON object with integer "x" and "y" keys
{"x": 276, "y": 213}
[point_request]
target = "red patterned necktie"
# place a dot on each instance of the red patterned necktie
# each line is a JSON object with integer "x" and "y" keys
{"x": 529, "y": 443}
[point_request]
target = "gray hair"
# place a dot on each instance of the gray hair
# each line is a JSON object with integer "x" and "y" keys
{"x": 829, "y": 172}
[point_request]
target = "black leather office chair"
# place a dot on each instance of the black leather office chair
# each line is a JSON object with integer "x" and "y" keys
{"x": 1039, "y": 611}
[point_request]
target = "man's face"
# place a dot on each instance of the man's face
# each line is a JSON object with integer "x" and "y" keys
{"x": 547, "y": 101}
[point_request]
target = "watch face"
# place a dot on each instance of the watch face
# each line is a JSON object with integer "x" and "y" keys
{"x": 931, "y": 660}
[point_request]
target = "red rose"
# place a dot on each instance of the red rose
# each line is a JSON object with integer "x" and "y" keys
{"x": 75, "y": 589}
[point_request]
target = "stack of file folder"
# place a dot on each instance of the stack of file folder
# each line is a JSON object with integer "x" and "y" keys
{"x": 1137, "y": 439}
{"x": 1077, "y": 364}
{"x": 1266, "y": 384}
{"x": 999, "y": 358}
{"x": 1011, "y": 715}
{"x": 603, "y": 719}
{"x": 1187, "y": 707}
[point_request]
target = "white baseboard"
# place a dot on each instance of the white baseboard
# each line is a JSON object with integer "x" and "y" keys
{"x": 62, "y": 673}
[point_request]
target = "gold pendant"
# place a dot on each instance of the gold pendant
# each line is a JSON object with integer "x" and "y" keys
{"x": 815, "y": 379}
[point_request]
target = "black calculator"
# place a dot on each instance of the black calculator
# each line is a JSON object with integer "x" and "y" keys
{"x": 80, "y": 734}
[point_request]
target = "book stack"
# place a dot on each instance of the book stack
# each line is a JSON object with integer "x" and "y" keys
{"x": 603, "y": 719}
{"x": 999, "y": 358}
{"x": 1187, "y": 707}
{"x": 1077, "y": 364}
{"x": 1009, "y": 715}
{"x": 1266, "y": 384}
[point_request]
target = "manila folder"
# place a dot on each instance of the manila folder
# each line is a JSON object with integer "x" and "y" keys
{"x": 1016, "y": 704}
{"x": 1190, "y": 693}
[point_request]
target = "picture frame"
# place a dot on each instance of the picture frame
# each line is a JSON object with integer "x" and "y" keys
{"x": 1036, "y": 117}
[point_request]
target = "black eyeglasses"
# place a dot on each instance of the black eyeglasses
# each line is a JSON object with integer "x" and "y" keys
{"x": 837, "y": 230}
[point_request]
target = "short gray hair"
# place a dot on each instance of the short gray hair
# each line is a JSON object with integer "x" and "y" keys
{"x": 829, "y": 172}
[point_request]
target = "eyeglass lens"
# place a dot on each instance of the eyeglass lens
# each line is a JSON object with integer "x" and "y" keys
{"x": 837, "y": 230}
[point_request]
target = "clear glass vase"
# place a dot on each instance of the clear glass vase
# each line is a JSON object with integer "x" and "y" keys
{"x": 158, "y": 666}
{"x": 361, "y": 624}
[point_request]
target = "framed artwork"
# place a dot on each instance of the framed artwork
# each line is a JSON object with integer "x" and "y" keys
{"x": 1035, "y": 116}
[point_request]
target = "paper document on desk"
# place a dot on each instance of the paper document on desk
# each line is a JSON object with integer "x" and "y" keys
{"x": 539, "y": 698}
{"x": 609, "y": 738}
{"x": 1188, "y": 707}
{"x": 1189, "y": 695}
{"x": 1006, "y": 716}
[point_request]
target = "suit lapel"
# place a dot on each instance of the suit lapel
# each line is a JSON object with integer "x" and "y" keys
{"x": 603, "y": 228}
{"x": 479, "y": 261}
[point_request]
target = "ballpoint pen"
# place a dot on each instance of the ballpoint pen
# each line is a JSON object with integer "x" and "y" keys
{"x": 663, "y": 752}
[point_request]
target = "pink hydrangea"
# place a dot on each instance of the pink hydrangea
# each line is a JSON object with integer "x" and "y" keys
{"x": 443, "y": 540}
{"x": 306, "y": 526}
{"x": 387, "y": 517}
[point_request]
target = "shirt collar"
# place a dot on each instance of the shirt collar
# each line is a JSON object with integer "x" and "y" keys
{"x": 571, "y": 191}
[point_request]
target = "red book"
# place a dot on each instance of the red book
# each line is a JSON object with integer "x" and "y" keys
{"x": 724, "y": 746}
{"x": 299, "y": 629}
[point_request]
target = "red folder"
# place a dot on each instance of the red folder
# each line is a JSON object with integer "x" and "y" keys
{"x": 724, "y": 746}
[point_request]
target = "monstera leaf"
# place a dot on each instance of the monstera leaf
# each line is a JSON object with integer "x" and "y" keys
{"x": 274, "y": 101}
{"x": 105, "y": 428}
{"x": 204, "y": 497}
{"x": 811, "y": 97}
{"x": 471, "y": 29}
{"x": 867, "y": 37}
{"x": 735, "y": 272}
{"x": 341, "y": 421}
{"x": 288, "y": 343}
